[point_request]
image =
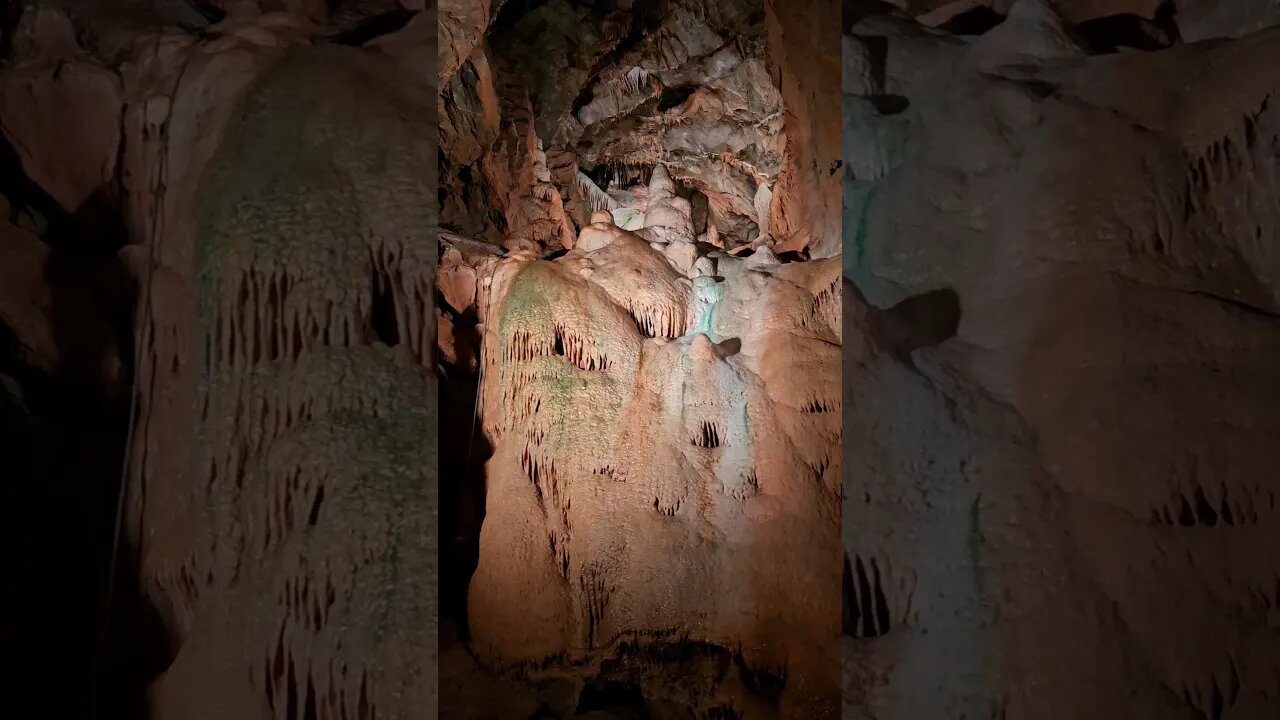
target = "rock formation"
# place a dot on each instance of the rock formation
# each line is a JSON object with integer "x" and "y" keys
{"x": 630, "y": 186}
{"x": 272, "y": 169}
{"x": 1063, "y": 324}
{"x": 649, "y": 437}
{"x": 602, "y": 96}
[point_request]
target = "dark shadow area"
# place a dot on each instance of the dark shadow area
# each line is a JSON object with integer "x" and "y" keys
{"x": 66, "y": 448}
{"x": 730, "y": 347}
{"x": 765, "y": 684}
{"x": 209, "y": 12}
{"x": 674, "y": 97}
{"x": 972, "y": 22}
{"x": 700, "y": 207}
{"x": 375, "y": 27}
{"x": 384, "y": 327}
{"x": 918, "y": 322}
{"x": 620, "y": 699}
{"x": 464, "y": 451}
{"x": 889, "y": 104}
{"x": 1110, "y": 34}
{"x": 10, "y": 14}
{"x": 63, "y": 433}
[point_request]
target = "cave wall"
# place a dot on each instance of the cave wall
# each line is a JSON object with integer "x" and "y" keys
{"x": 637, "y": 390}
{"x": 649, "y": 435}
{"x": 1062, "y": 324}
{"x": 585, "y": 96}
{"x": 64, "y": 356}
{"x": 285, "y": 497}
{"x": 260, "y": 179}
{"x": 805, "y": 58}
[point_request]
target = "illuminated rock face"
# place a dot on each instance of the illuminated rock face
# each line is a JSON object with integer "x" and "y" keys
{"x": 665, "y": 462}
{"x": 612, "y": 89}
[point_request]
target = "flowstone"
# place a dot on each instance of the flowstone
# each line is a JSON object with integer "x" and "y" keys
{"x": 654, "y": 434}
{"x": 1059, "y": 502}
{"x": 284, "y": 505}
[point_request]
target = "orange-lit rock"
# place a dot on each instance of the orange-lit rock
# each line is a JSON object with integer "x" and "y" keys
{"x": 651, "y": 437}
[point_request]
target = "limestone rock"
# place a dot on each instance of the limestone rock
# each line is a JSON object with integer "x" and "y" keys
{"x": 667, "y": 217}
{"x": 462, "y": 26}
{"x": 682, "y": 256}
{"x": 76, "y": 156}
{"x": 1061, "y": 378}
{"x": 1033, "y": 31}
{"x": 614, "y": 115}
{"x": 45, "y": 33}
{"x": 641, "y": 392}
{"x": 599, "y": 234}
{"x": 625, "y": 423}
{"x": 1202, "y": 19}
{"x": 272, "y": 535}
{"x": 457, "y": 282}
{"x": 806, "y": 196}
{"x": 62, "y": 328}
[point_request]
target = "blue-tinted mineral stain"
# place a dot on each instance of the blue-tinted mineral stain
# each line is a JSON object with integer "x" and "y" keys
{"x": 707, "y": 295}
{"x": 976, "y": 539}
{"x": 864, "y": 221}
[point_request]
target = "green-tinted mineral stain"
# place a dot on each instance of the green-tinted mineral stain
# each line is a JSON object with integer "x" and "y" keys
{"x": 558, "y": 386}
{"x": 976, "y": 538}
{"x": 708, "y": 293}
{"x": 891, "y": 145}
{"x": 284, "y": 181}
{"x": 296, "y": 180}
{"x": 861, "y": 233}
{"x": 528, "y": 306}
{"x": 525, "y": 304}
{"x": 390, "y": 487}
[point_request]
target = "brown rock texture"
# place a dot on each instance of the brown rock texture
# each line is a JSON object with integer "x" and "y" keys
{"x": 1062, "y": 324}
{"x": 26, "y": 299}
{"x": 805, "y": 55}
{"x": 1070, "y": 10}
{"x": 78, "y": 156}
{"x": 462, "y": 26}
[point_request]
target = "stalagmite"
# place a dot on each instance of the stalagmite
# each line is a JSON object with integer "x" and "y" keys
{"x": 667, "y": 216}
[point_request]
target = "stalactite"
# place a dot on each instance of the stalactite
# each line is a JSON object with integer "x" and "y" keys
{"x": 659, "y": 321}
{"x": 596, "y": 198}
